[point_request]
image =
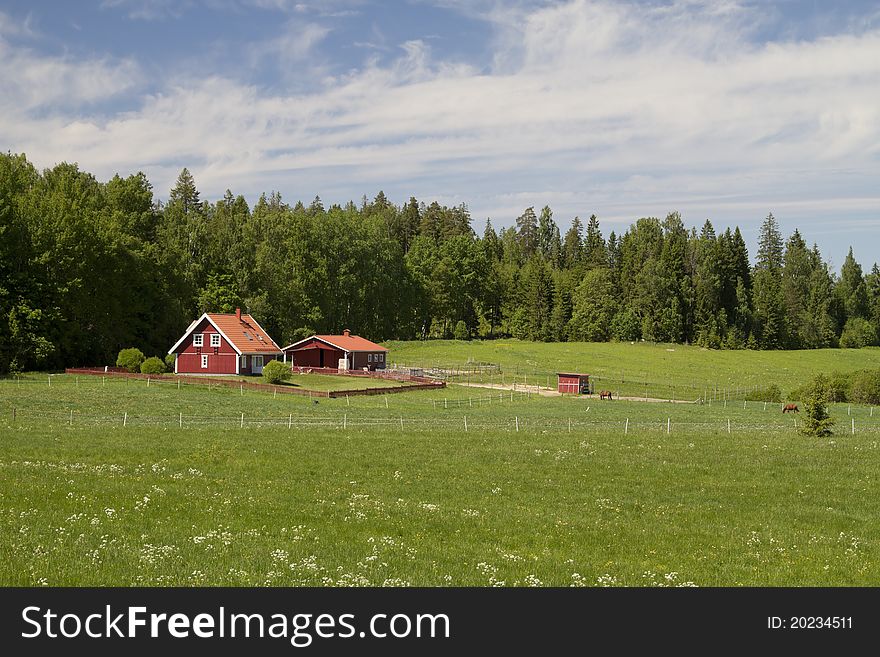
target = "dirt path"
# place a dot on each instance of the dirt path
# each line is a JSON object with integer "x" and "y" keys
{"x": 545, "y": 392}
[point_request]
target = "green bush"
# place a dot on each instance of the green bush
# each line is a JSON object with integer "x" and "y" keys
{"x": 461, "y": 331}
{"x": 771, "y": 393}
{"x": 839, "y": 387}
{"x": 865, "y": 387}
{"x": 130, "y": 359}
{"x": 170, "y": 359}
{"x": 858, "y": 333}
{"x": 276, "y": 372}
{"x": 153, "y": 365}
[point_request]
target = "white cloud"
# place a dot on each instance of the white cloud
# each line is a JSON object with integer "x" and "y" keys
{"x": 38, "y": 82}
{"x": 596, "y": 106}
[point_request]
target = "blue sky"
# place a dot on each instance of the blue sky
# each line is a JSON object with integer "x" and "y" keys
{"x": 720, "y": 109}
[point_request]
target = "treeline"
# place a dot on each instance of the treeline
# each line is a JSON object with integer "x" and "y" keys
{"x": 88, "y": 268}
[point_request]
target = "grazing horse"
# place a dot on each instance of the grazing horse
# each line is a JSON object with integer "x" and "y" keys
{"x": 605, "y": 394}
{"x": 790, "y": 408}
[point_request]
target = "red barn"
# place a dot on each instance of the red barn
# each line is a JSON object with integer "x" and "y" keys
{"x": 224, "y": 344}
{"x": 575, "y": 384}
{"x": 344, "y": 351}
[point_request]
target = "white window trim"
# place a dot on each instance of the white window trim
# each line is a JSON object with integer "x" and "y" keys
{"x": 369, "y": 358}
{"x": 215, "y": 338}
{"x": 254, "y": 364}
{"x": 198, "y": 340}
{"x": 381, "y": 357}
{"x": 244, "y": 361}
{"x": 204, "y": 361}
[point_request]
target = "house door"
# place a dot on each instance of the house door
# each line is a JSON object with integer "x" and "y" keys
{"x": 257, "y": 364}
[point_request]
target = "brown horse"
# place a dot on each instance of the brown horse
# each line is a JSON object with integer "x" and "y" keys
{"x": 603, "y": 394}
{"x": 790, "y": 408}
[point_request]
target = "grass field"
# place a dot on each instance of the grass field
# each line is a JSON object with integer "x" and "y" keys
{"x": 663, "y": 370}
{"x": 393, "y": 490}
{"x": 317, "y": 382}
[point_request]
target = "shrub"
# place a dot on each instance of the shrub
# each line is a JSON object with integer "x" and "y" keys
{"x": 839, "y": 387}
{"x": 276, "y": 372}
{"x": 153, "y": 365}
{"x": 130, "y": 359}
{"x": 858, "y": 333}
{"x": 817, "y": 421}
{"x": 865, "y": 387}
{"x": 170, "y": 359}
{"x": 461, "y": 331}
{"x": 771, "y": 393}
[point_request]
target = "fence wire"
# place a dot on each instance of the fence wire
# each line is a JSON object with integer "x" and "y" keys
{"x": 26, "y": 418}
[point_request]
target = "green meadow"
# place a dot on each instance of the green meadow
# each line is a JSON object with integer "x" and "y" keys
{"x": 685, "y": 371}
{"x": 124, "y": 484}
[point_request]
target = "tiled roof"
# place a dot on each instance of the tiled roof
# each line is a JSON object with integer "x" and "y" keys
{"x": 246, "y": 335}
{"x": 344, "y": 342}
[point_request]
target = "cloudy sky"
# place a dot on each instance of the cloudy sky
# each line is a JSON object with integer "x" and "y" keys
{"x": 720, "y": 109}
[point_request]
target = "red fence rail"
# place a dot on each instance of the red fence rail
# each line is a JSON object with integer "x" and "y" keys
{"x": 417, "y": 382}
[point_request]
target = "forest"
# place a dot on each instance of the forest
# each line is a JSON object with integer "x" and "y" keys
{"x": 90, "y": 267}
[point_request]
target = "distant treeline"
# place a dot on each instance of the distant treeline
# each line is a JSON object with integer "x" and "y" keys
{"x": 87, "y": 268}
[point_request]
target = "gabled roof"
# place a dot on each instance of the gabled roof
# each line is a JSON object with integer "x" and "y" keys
{"x": 245, "y": 335}
{"x": 342, "y": 342}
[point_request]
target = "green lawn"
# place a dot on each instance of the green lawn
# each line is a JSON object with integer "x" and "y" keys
{"x": 346, "y": 496}
{"x": 318, "y": 382}
{"x": 668, "y": 369}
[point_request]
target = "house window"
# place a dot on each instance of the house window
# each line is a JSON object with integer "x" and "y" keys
{"x": 369, "y": 358}
{"x": 215, "y": 339}
{"x": 244, "y": 362}
{"x": 204, "y": 361}
{"x": 257, "y": 362}
{"x": 198, "y": 340}
{"x": 380, "y": 357}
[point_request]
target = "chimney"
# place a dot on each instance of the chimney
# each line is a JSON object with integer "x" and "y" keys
{"x": 238, "y": 314}
{"x": 346, "y": 333}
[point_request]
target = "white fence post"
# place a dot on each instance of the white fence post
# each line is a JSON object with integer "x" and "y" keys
{"x": 626, "y": 427}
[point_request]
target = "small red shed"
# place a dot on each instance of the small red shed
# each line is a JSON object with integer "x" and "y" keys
{"x": 574, "y": 384}
{"x": 224, "y": 344}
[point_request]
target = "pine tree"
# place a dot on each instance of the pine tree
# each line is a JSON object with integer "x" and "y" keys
{"x": 546, "y": 230}
{"x": 184, "y": 193}
{"x": 796, "y": 274}
{"x": 573, "y": 245}
{"x": 817, "y": 422}
{"x": 769, "y": 312}
{"x": 851, "y": 289}
{"x": 707, "y": 277}
{"x": 527, "y": 232}
{"x": 595, "y": 254}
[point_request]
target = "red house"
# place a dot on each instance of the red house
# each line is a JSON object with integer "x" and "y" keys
{"x": 224, "y": 344}
{"x": 345, "y": 352}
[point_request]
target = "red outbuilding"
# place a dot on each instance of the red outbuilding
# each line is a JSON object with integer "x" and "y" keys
{"x": 574, "y": 384}
{"x": 224, "y": 344}
{"x": 344, "y": 352}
